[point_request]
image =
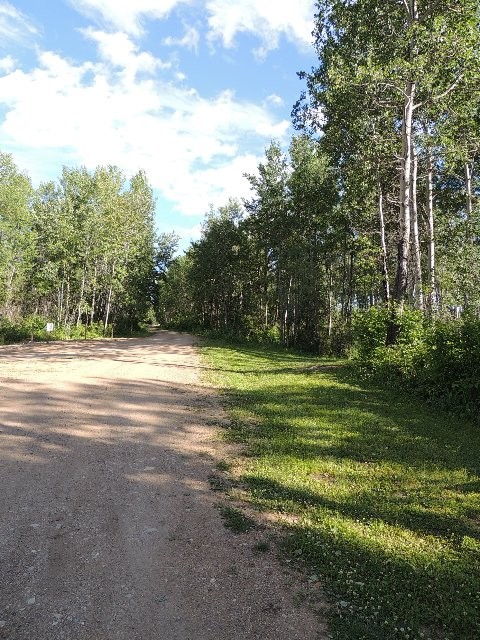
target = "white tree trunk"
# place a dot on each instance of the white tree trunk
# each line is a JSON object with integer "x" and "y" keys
{"x": 469, "y": 197}
{"x": 418, "y": 290}
{"x": 330, "y": 301}
{"x": 80, "y": 301}
{"x": 432, "y": 294}
{"x": 109, "y": 300}
{"x": 401, "y": 280}
{"x": 468, "y": 186}
{"x": 383, "y": 243}
{"x": 92, "y": 312}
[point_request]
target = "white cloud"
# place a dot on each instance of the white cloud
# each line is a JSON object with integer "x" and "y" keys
{"x": 126, "y": 15}
{"x": 186, "y": 234}
{"x": 117, "y": 50}
{"x": 267, "y": 19}
{"x": 190, "y": 39}
{"x": 194, "y": 150}
{"x": 274, "y": 100}
{"x": 7, "y": 64}
{"x": 14, "y": 25}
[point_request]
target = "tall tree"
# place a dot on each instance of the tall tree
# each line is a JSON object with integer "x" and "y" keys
{"x": 16, "y": 236}
{"x": 271, "y": 220}
{"x": 389, "y": 64}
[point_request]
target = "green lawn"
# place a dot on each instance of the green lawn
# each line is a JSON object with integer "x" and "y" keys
{"x": 384, "y": 490}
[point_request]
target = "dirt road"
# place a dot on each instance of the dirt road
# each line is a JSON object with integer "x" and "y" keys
{"x": 108, "y": 527}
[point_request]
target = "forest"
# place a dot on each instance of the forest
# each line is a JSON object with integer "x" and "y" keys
{"x": 363, "y": 239}
{"x": 81, "y": 253}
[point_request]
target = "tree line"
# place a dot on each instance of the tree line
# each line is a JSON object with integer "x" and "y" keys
{"x": 376, "y": 202}
{"x": 80, "y": 252}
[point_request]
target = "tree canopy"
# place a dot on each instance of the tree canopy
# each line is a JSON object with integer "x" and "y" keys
{"x": 79, "y": 251}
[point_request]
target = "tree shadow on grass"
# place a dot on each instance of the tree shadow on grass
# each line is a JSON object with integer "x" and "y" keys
{"x": 265, "y": 355}
{"x": 329, "y": 418}
{"x": 380, "y": 595}
{"x": 367, "y": 506}
{"x": 360, "y": 422}
{"x": 354, "y": 426}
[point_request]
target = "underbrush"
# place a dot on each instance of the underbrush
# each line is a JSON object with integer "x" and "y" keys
{"x": 269, "y": 336}
{"x": 380, "y": 492}
{"x": 34, "y": 328}
{"x": 440, "y": 360}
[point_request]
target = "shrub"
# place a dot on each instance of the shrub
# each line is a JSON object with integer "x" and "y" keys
{"x": 451, "y": 367}
{"x": 439, "y": 359}
{"x": 369, "y": 332}
{"x": 393, "y": 363}
{"x": 34, "y": 327}
{"x": 11, "y": 332}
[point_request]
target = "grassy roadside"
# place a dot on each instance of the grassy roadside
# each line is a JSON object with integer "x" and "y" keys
{"x": 382, "y": 493}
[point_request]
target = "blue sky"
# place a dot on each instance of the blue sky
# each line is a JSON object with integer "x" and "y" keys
{"x": 191, "y": 91}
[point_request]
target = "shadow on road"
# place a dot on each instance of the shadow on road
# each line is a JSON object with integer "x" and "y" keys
{"x": 107, "y": 528}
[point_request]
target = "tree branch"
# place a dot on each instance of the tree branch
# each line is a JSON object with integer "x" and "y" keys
{"x": 441, "y": 95}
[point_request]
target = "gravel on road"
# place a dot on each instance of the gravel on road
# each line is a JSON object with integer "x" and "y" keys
{"x": 108, "y": 525}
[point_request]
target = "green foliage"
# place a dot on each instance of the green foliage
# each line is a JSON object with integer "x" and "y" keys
{"x": 261, "y": 335}
{"x": 17, "y": 237}
{"x": 369, "y": 330}
{"x": 33, "y": 327}
{"x": 175, "y": 304}
{"x": 375, "y": 60}
{"x": 264, "y": 271}
{"x": 11, "y": 332}
{"x": 440, "y": 359}
{"x": 79, "y": 252}
{"x": 381, "y": 492}
{"x": 450, "y": 366}
{"x": 235, "y": 520}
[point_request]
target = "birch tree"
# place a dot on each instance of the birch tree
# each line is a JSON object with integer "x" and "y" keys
{"x": 399, "y": 58}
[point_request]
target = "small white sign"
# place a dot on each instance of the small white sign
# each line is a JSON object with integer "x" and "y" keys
{"x": 49, "y": 326}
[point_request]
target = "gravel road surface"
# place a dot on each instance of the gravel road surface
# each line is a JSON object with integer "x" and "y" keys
{"x": 108, "y": 525}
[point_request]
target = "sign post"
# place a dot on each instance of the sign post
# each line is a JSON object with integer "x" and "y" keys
{"x": 49, "y": 328}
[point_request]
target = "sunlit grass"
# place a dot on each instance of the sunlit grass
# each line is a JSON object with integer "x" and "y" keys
{"x": 385, "y": 492}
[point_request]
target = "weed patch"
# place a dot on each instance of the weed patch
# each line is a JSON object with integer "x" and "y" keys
{"x": 236, "y": 521}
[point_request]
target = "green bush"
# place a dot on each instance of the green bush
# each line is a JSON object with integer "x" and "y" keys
{"x": 34, "y": 327}
{"x": 369, "y": 333}
{"x": 264, "y": 335}
{"x": 441, "y": 359}
{"x": 392, "y": 363}
{"x": 11, "y": 332}
{"x": 451, "y": 368}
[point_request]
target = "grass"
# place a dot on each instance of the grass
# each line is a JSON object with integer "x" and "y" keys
{"x": 235, "y": 520}
{"x": 223, "y": 465}
{"x": 384, "y": 491}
